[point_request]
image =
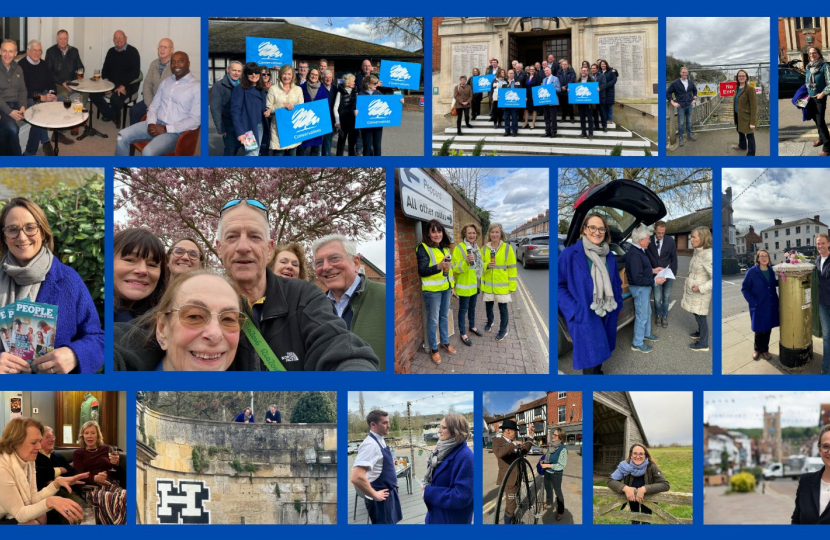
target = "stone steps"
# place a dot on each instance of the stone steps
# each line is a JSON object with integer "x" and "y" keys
{"x": 541, "y": 150}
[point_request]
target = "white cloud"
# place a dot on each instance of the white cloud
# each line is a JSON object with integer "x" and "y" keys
{"x": 516, "y": 198}
{"x": 422, "y": 402}
{"x": 666, "y": 416}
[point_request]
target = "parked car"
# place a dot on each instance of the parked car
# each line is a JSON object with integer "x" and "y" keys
{"x": 352, "y": 449}
{"x": 625, "y": 205}
{"x": 536, "y": 450}
{"x": 789, "y": 80}
{"x": 533, "y": 250}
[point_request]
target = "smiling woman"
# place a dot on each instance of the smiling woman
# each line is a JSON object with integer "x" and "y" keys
{"x": 139, "y": 274}
{"x": 184, "y": 255}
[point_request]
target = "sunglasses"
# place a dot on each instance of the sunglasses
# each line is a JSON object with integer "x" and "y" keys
{"x": 251, "y": 202}
{"x": 192, "y": 316}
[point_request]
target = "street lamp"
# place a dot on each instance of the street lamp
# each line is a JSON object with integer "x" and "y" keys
{"x": 536, "y": 23}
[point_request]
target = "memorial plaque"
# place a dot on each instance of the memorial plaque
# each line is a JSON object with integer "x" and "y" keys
{"x": 626, "y": 54}
{"x": 465, "y": 57}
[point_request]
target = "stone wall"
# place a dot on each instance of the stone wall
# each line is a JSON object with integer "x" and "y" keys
{"x": 251, "y": 473}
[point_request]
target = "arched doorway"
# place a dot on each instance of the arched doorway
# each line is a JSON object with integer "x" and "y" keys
{"x": 531, "y": 41}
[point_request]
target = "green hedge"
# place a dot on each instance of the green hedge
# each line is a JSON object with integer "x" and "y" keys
{"x": 730, "y": 267}
{"x": 313, "y": 408}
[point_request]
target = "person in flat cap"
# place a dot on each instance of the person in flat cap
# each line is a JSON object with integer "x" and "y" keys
{"x": 507, "y": 450}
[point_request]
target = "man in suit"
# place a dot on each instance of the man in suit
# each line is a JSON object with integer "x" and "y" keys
{"x": 507, "y": 451}
{"x": 492, "y": 70}
{"x": 662, "y": 253}
{"x": 823, "y": 268}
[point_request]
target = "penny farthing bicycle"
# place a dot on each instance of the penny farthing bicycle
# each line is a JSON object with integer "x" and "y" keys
{"x": 528, "y": 505}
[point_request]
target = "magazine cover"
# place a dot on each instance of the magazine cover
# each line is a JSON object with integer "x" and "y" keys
{"x": 33, "y": 330}
{"x": 6, "y": 318}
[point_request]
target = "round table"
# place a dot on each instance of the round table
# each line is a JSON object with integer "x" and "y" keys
{"x": 88, "y": 86}
{"x": 52, "y": 115}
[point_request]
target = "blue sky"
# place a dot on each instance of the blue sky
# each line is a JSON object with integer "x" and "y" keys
{"x": 353, "y": 27}
{"x": 423, "y": 402}
{"x": 731, "y": 410}
{"x": 505, "y": 402}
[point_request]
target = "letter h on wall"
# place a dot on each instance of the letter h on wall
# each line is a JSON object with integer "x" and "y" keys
{"x": 184, "y": 504}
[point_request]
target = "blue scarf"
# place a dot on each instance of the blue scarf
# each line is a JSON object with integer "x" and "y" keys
{"x": 235, "y": 82}
{"x": 625, "y": 468}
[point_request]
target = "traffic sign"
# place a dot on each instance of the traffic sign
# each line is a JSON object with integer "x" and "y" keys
{"x": 422, "y": 198}
{"x": 727, "y": 89}
{"x": 707, "y": 90}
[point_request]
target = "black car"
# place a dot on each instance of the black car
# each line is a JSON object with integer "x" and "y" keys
{"x": 625, "y": 205}
{"x": 789, "y": 80}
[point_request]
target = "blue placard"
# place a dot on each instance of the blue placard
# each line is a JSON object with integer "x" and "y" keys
{"x": 269, "y": 52}
{"x": 583, "y": 93}
{"x": 545, "y": 95}
{"x": 482, "y": 84}
{"x": 378, "y": 110}
{"x": 405, "y": 75}
{"x": 512, "y": 98}
{"x": 304, "y": 122}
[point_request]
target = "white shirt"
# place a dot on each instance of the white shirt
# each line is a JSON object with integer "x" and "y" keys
{"x": 821, "y": 263}
{"x": 685, "y": 84}
{"x": 824, "y": 497}
{"x": 369, "y": 454}
{"x": 177, "y": 103}
{"x": 341, "y": 305}
{"x": 658, "y": 243}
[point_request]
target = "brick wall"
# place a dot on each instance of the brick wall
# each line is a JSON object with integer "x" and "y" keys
{"x": 436, "y": 44}
{"x": 573, "y": 400}
{"x": 408, "y": 321}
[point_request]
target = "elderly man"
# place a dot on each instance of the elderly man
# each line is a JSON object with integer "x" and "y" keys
{"x": 662, "y": 253}
{"x": 38, "y": 80}
{"x": 292, "y": 325}
{"x": 12, "y": 99}
{"x": 158, "y": 71}
{"x": 220, "y": 107}
{"x": 50, "y": 464}
{"x": 374, "y": 475}
{"x": 331, "y": 88}
{"x": 359, "y": 301}
{"x": 566, "y": 76}
{"x": 365, "y": 70}
{"x": 641, "y": 280}
{"x": 506, "y": 451}
{"x": 64, "y": 61}
{"x": 175, "y": 109}
{"x": 122, "y": 66}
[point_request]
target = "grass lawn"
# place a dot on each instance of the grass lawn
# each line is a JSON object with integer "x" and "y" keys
{"x": 676, "y": 464}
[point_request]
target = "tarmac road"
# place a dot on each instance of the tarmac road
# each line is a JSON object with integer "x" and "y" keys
{"x": 733, "y": 302}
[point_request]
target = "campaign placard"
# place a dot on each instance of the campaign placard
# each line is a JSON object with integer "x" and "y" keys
{"x": 727, "y": 89}
{"x": 404, "y": 75}
{"x": 583, "y": 93}
{"x": 304, "y": 122}
{"x": 269, "y": 52}
{"x": 482, "y": 84}
{"x": 512, "y": 98}
{"x": 545, "y": 95}
{"x": 378, "y": 110}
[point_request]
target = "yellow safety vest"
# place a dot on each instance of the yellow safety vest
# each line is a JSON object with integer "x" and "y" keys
{"x": 503, "y": 278}
{"x": 466, "y": 283}
{"x": 437, "y": 282}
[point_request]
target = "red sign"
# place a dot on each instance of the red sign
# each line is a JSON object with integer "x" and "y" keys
{"x": 727, "y": 89}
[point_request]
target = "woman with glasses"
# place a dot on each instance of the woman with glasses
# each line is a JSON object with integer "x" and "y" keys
{"x": 448, "y": 483}
{"x": 760, "y": 291}
{"x": 637, "y": 477}
{"x": 289, "y": 262}
{"x": 29, "y": 271}
{"x": 248, "y": 108}
{"x": 590, "y": 295}
{"x": 184, "y": 255}
{"x": 197, "y": 325}
{"x": 808, "y": 510}
{"x": 818, "y": 86}
{"x": 745, "y": 107}
{"x": 140, "y": 275}
{"x": 437, "y": 282}
{"x": 313, "y": 90}
{"x": 499, "y": 278}
{"x": 283, "y": 95}
{"x": 371, "y": 137}
{"x": 553, "y": 464}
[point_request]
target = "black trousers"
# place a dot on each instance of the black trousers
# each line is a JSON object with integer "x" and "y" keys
{"x": 466, "y": 113}
{"x": 113, "y": 108}
{"x": 477, "y": 104}
{"x": 553, "y": 484}
{"x": 817, "y": 108}
{"x": 550, "y": 119}
{"x": 585, "y": 118}
{"x": 762, "y": 341}
{"x": 567, "y": 109}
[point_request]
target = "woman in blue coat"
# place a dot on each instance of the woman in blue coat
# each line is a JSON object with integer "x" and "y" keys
{"x": 759, "y": 289}
{"x": 248, "y": 108}
{"x": 590, "y": 295}
{"x": 313, "y": 90}
{"x": 448, "y": 484}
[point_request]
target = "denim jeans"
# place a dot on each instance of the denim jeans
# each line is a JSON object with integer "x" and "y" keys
{"x": 824, "y": 317}
{"x": 703, "y": 328}
{"x": 372, "y": 138}
{"x": 662, "y": 296}
{"x": 684, "y": 118}
{"x": 466, "y": 309}
{"x": 37, "y": 135}
{"x": 642, "y": 313}
{"x": 327, "y": 140}
{"x": 159, "y": 145}
{"x": 610, "y": 112}
{"x": 504, "y": 318}
{"x": 438, "y": 310}
{"x": 9, "y": 133}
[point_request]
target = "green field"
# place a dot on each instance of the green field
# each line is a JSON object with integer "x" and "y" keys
{"x": 676, "y": 464}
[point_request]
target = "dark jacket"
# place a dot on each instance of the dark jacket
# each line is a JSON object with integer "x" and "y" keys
{"x": 220, "y": 105}
{"x": 566, "y": 77}
{"x": 322, "y": 94}
{"x": 668, "y": 253}
{"x": 38, "y": 78}
{"x": 247, "y": 107}
{"x": 655, "y": 481}
{"x": 762, "y": 297}
{"x": 332, "y": 95}
{"x": 806, "y": 511}
{"x": 241, "y": 418}
{"x": 45, "y": 468}
{"x": 368, "y": 322}
{"x": 638, "y": 268}
{"x": 449, "y": 498}
{"x": 594, "y": 337}
{"x": 682, "y": 96}
{"x": 506, "y": 453}
{"x": 823, "y": 281}
{"x": 348, "y": 102}
{"x": 122, "y": 68}
{"x": 275, "y": 418}
{"x": 63, "y": 67}
{"x": 12, "y": 87}
{"x": 607, "y": 82}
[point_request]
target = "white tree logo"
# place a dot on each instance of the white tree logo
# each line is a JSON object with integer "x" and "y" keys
{"x": 543, "y": 93}
{"x": 399, "y": 73}
{"x": 583, "y": 91}
{"x": 267, "y": 49}
{"x": 510, "y": 95}
{"x": 483, "y": 82}
{"x": 304, "y": 119}
{"x": 378, "y": 107}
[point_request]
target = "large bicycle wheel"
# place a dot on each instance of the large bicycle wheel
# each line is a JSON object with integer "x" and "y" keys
{"x": 524, "y": 485}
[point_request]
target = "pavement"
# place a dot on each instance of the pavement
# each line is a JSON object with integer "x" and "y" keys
{"x": 404, "y": 140}
{"x": 671, "y": 354}
{"x": 770, "y": 506}
{"x": 571, "y": 489}
{"x": 718, "y": 143}
{"x": 524, "y": 350}
{"x": 795, "y": 137}
{"x": 413, "y": 509}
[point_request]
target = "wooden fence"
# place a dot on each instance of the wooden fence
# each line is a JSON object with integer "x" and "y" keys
{"x": 652, "y": 502}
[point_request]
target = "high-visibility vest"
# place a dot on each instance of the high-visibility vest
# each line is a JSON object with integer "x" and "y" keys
{"x": 466, "y": 283}
{"x": 503, "y": 278}
{"x": 437, "y": 282}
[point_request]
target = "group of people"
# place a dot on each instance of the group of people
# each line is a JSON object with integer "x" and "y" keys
{"x": 272, "y": 416}
{"x": 469, "y": 269}
{"x": 447, "y": 484}
{"x": 171, "y": 97}
{"x": 174, "y": 313}
{"x": 246, "y": 99}
{"x": 37, "y": 480}
{"x": 549, "y": 71}
{"x": 682, "y": 94}
{"x": 591, "y": 289}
